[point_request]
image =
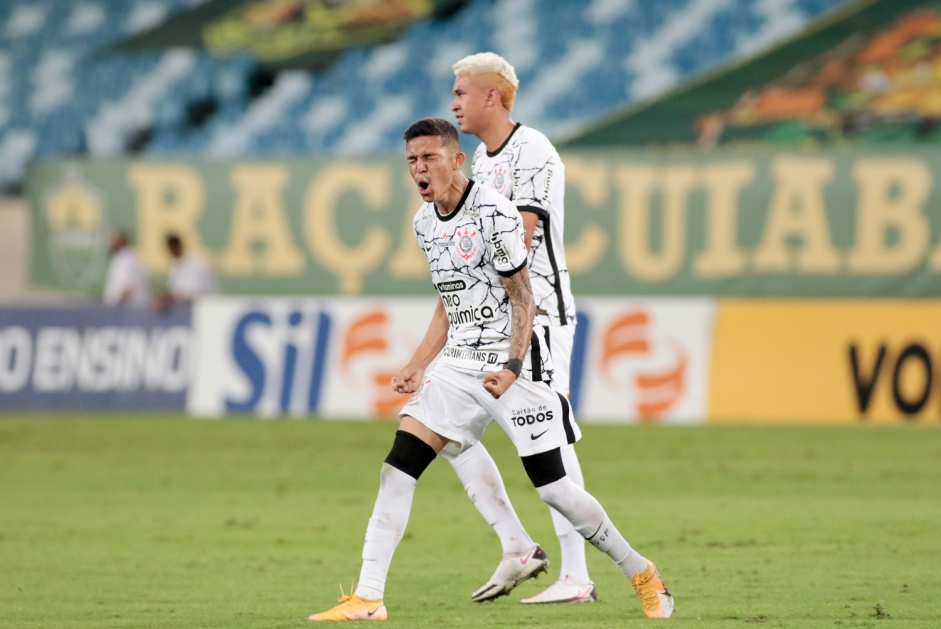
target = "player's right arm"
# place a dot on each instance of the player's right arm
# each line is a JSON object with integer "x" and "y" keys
{"x": 408, "y": 379}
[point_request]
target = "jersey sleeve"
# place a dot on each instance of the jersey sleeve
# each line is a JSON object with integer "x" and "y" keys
{"x": 533, "y": 172}
{"x": 418, "y": 228}
{"x": 507, "y": 242}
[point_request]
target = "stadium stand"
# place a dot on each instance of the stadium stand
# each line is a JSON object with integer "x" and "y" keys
{"x": 62, "y": 93}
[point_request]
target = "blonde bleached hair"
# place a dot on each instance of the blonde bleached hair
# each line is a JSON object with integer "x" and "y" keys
{"x": 491, "y": 70}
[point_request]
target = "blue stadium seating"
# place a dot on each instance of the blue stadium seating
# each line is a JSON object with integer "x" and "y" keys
{"x": 576, "y": 61}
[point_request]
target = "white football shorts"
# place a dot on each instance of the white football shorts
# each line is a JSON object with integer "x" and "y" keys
{"x": 453, "y": 403}
{"x": 561, "y": 340}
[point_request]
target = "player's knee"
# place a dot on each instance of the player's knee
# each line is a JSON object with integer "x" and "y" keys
{"x": 554, "y": 495}
{"x": 544, "y": 468}
{"x": 572, "y": 502}
{"x": 410, "y": 454}
{"x": 467, "y": 457}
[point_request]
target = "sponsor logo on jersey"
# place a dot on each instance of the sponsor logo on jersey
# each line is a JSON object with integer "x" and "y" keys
{"x": 444, "y": 241}
{"x": 500, "y": 254}
{"x": 532, "y": 416}
{"x": 471, "y": 314}
{"x": 462, "y": 353}
{"x": 450, "y": 287}
{"x": 458, "y": 313}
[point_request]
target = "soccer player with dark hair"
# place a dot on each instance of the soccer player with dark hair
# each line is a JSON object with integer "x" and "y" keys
{"x": 492, "y": 365}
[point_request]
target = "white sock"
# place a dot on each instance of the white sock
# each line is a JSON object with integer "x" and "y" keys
{"x": 589, "y": 518}
{"x": 571, "y": 543}
{"x": 385, "y": 530}
{"x": 484, "y": 486}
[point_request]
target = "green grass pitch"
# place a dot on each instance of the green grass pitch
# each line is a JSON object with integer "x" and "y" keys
{"x": 150, "y": 521}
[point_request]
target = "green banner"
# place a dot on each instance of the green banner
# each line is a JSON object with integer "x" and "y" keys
{"x": 866, "y": 74}
{"x": 299, "y": 33}
{"x": 827, "y": 224}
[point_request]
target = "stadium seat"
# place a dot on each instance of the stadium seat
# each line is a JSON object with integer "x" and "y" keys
{"x": 576, "y": 61}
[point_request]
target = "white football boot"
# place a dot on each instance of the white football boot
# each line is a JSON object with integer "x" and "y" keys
{"x": 564, "y": 591}
{"x": 512, "y": 570}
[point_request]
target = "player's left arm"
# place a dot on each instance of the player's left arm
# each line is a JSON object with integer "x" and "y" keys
{"x": 534, "y": 169}
{"x": 530, "y": 220}
{"x": 523, "y": 312}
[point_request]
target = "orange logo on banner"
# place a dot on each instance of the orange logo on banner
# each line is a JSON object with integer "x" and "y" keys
{"x": 370, "y": 334}
{"x": 657, "y": 390}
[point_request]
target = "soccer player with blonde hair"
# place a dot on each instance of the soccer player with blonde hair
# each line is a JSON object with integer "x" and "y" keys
{"x": 523, "y": 165}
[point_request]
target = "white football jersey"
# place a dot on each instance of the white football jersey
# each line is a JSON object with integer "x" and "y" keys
{"x": 468, "y": 251}
{"x": 527, "y": 170}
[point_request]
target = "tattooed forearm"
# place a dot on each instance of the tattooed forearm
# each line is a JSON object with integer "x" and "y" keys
{"x": 523, "y": 308}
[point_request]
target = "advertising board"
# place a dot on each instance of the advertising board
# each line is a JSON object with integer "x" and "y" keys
{"x": 94, "y": 357}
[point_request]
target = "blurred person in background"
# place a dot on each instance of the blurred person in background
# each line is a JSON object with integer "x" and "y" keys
{"x": 522, "y": 164}
{"x": 190, "y": 275}
{"x": 126, "y": 281}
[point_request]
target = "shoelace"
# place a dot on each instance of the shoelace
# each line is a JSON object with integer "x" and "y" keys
{"x": 648, "y": 595}
{"x": 344, "y": 597}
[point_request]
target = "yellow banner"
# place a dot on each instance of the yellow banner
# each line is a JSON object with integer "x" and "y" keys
{"x": 849, "y": 361}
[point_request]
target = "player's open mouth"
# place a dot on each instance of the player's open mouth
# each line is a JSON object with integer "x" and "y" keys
{"x": 423, "y": 185}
